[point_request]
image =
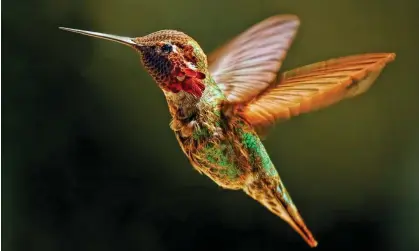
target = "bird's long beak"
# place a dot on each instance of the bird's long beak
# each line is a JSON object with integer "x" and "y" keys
{"x": 119, "y": 39}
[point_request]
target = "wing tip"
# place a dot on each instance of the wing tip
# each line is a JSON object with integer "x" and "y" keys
{"x": 385, "y": 58}
{"x": 287, "y": 17}
{"x": 391, "y": 56}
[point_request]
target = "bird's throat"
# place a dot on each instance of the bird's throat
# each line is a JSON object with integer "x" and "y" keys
{"x": 187, "y": 79}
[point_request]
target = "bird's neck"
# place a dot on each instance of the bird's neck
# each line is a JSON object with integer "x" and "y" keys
{"x": 185, "y": 107}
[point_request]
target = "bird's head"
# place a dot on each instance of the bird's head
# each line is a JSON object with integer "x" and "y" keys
{"x": 175, "y": 60}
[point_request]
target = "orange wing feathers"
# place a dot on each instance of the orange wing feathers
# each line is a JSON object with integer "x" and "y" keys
{"x": 315, "y": 86}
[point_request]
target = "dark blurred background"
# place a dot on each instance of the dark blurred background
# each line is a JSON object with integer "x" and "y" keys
{"x": 89, "y": 162}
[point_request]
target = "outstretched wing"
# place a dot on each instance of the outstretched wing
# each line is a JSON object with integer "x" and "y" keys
{"x": 315, "y": 86}
{"x": 250, "y": 62}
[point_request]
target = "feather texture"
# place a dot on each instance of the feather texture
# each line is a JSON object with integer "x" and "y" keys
{"x": 315, "y": 86}
{"x": 250, "y": 62}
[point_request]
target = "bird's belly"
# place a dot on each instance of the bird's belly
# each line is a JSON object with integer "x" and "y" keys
{"x": 219, "y": 159}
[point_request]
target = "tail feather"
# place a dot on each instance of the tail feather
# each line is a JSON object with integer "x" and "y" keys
{"x": 273, "y": 195}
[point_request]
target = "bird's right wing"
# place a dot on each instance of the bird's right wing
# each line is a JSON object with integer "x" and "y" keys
{"x": 315, "y": 86}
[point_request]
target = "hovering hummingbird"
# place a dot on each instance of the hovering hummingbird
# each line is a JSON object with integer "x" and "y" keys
{"x": 221, "y": 105}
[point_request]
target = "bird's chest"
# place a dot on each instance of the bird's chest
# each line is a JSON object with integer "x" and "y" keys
{"x": 182, "y": 105}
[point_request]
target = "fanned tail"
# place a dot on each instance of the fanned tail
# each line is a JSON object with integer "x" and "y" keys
{"x": 272, "y": 194}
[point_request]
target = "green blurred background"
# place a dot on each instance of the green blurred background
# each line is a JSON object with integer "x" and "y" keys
{"x": 89, "y": 162}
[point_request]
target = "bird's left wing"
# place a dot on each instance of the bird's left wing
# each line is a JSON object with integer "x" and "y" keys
{"x": 314, "y": 86}
{"x": 250, "y": 62}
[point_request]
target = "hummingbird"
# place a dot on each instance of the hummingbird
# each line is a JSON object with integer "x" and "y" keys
{"x": 223, "y": 104}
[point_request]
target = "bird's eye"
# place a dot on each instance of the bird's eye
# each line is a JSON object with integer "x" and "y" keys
{"x": 167, "y": 48}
